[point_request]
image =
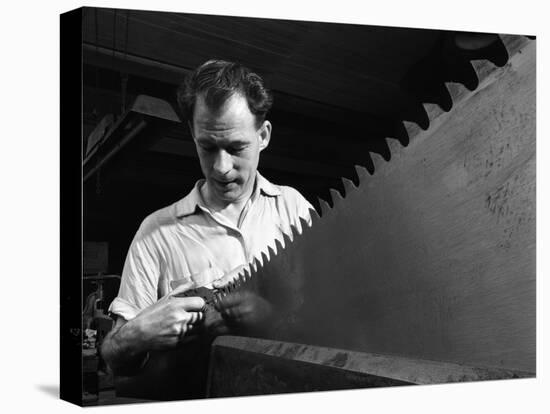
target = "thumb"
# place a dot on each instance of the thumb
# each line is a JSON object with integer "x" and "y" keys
{"x": 228, "y": 277}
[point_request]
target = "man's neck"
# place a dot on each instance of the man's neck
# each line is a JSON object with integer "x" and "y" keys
{"x": 230, "y": 210}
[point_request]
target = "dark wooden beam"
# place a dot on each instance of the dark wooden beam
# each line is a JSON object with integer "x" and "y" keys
{"x": 113, "y": 60}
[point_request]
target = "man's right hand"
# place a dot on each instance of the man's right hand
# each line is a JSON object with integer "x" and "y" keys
{"x": 163, "y": 325}
{"x": 166, "y": 323}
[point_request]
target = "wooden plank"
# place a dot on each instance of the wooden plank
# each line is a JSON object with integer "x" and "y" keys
{"x": 445, "y": 233}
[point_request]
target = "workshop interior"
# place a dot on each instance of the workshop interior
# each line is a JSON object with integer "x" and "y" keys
{"x": 417, "y": 149}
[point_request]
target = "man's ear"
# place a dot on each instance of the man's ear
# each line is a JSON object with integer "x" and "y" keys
{"x": 265, "y": 135}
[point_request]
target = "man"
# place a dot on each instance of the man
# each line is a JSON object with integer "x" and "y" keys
{"x": 228, "y": 219}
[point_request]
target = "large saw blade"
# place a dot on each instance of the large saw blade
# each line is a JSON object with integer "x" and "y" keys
{"x": 433, "y": 256}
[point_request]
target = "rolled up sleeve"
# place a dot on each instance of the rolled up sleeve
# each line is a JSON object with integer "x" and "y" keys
{"x": 140, "y": 276}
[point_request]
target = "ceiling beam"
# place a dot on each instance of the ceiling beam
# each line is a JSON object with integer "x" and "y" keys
{"x": 117, "y": 61}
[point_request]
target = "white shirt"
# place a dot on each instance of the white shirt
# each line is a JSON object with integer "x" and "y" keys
{"x": 186, "y": 241}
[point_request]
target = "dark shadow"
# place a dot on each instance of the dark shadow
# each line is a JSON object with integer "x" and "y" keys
{"x": 50, "y": 389}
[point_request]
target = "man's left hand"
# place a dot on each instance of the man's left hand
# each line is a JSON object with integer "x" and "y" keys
{"x": 246, "y": 309}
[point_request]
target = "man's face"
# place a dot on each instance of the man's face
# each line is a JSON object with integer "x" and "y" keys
{"x": 228, "y": 144}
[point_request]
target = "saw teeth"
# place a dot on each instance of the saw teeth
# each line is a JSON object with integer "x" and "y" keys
{"x": 271, "y": 251}
{"x": 252, "y": 266}
{"x": 378, "y": 161}
{"x": 369, "y": 165}
{"x": 461, "y": 71}
{"x": 419, "y": 115}
{"x": 348, "y": 185}
{"x": 314, "y": 216}
{"x": 386, "y": 153}
{"x": 400, "y": 133}
{"x": 336, "y": 197}
{"x": 257, "y": 265}
{"x": 457, "y": 91}
{"x": 394, "y": 145}
{"x": 278, "y": 246}
{"x": 433, "y": 110}
{"x": 325, "y": 207}
{"x": 446, "y": 101}
{"x": 412, "y": 129}
{"x": 265, "y": 259}
{"x": 482, "y": 68}
{"x": 472, "y": 81}
{"x": 287, "y": 239}
{"x": 304, "y": 224}
{"x": 362, "y": 173}
{"x": 499, "y": 55}
{"x": 295, "y": 231}
{"x": 252, "y": 269}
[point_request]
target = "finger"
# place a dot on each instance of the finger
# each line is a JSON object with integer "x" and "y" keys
{"x": 194, "y": 317}
{"x": 183, "y": 330}
{"x": 187, "y": 329}
{"x": 227, "y": 278}
{"x": 190, "y": 304}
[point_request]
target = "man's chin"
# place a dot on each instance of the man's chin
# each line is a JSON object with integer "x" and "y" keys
{"x": 227, "y": 192}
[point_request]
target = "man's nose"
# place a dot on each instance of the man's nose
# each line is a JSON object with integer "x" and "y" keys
{"x": 223, "y": 162}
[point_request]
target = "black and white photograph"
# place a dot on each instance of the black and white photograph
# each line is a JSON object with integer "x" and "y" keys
{"x": 263, "y": 207}
{"x": 275, "y": 206}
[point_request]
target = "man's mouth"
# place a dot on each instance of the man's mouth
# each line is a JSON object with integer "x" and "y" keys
{"x": 224, "y": 183}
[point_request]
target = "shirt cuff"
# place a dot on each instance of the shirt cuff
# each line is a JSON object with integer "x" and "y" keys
{"x": 123, "y": 308}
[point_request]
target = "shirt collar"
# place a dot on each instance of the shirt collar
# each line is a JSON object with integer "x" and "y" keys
{"x": 266, "y": 187}
{"x": 189, "y": 204}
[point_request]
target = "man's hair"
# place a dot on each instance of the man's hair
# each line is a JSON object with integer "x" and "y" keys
{"x": 218, "y": 80}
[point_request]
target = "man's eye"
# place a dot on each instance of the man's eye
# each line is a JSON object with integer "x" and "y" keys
{"x": 237, "y": 150}
{"x": 208, "y": 148}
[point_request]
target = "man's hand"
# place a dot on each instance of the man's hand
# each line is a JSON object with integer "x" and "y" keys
{"x": 247, "y": 310}
{"x": 243, "y": 309}
{"x": 162, "y": 325}
{"x": 166, "y": 323}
